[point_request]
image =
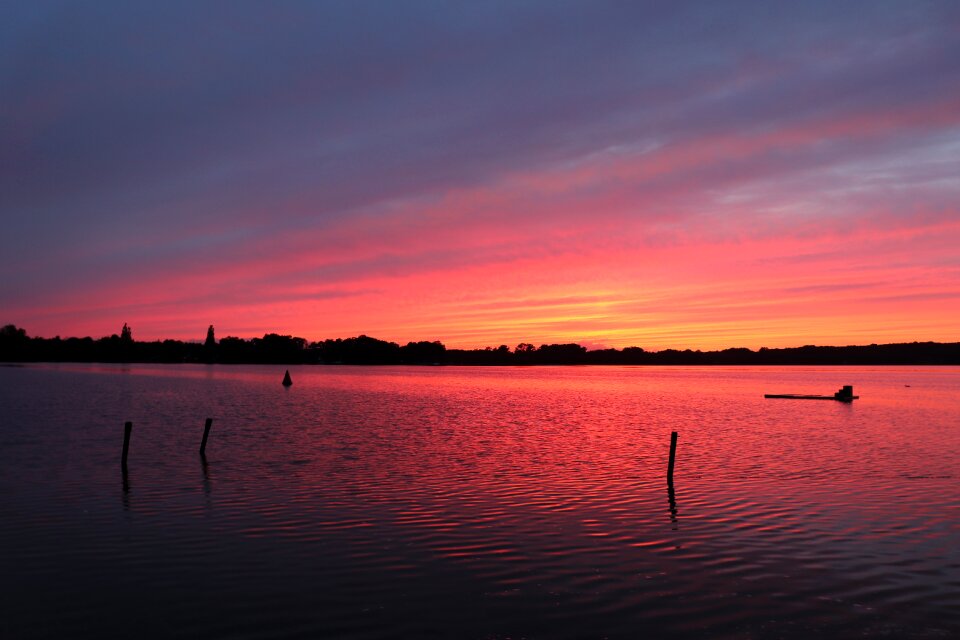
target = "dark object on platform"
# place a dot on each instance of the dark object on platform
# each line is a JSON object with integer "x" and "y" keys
{"x": 286, "y": 379}
{"x": 843, "y": 395}
{"x": 127, "y": 428}
{"x": 673, "y": 456}
{"x": 206, "y": 432}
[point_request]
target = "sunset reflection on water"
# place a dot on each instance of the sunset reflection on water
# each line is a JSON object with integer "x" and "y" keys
{"x": 476, "y": 502}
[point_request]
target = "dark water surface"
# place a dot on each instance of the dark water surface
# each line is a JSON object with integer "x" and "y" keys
{"x": 478, "y": 503}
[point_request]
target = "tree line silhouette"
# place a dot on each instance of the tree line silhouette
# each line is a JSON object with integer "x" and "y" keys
{"x": 272, "y": 348}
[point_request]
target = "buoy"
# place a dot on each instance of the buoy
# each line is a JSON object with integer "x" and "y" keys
{"x": 286, "y": 379}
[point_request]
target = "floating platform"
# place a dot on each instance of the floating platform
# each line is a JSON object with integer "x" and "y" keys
{"x": 799, "y": 396}
{"x": 843, "y": 395}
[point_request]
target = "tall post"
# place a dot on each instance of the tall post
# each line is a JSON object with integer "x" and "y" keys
{"x": 673, "y": 455}
{"x": 206, "y": 432}
{"x": 127, "y": 428}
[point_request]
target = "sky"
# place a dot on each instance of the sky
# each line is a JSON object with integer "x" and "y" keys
{"x": 657, "y": 174}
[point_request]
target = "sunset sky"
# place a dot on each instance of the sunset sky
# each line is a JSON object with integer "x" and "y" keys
{"x": 659, "y": 174}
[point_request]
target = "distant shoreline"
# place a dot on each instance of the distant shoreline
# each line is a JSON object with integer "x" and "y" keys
{"x": 26, "y": 364}
{"x": 17, "y": 347}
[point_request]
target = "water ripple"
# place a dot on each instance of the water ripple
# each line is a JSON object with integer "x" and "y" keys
{"x": 394, "y": 502}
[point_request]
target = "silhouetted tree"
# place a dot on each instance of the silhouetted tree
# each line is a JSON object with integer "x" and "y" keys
{"x": 360, "y": 350}
{"x": 560, "y": 354}
{"x": 423, "y": 353}
{"x": 14, "y": 343}
{"x": 12, "y": 332}
{"x": 17, "y": 346}
{"x": 210, "y": 347}
{"x": 234, "y": 350}
{"x": 487, "y": 356}
{"x": 523, "y": 353}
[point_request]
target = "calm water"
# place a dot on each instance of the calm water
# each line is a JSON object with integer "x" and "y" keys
{"x": 478, "y": 502}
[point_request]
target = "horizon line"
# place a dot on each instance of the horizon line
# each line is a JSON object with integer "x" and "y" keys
{"x": 536, "y": 344}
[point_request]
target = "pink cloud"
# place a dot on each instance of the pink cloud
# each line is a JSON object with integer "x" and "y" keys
{"x": 766, "y": 237}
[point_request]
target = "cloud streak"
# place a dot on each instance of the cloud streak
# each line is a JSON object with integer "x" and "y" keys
{"x": 601, "y": 172}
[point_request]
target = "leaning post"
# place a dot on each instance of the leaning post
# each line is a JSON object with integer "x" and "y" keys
{"x": 127, "y": 428}
{"x": 206, "y": 433}
{"x": 673, "y": 456}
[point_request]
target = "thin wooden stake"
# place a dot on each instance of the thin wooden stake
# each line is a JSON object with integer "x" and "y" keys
{"x": 206, "y": 432}
{"x": 673, "y": 456}
{"x": 127, "y": 428}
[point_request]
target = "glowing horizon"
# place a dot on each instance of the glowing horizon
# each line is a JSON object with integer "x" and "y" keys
{"x": 483, "y": 175}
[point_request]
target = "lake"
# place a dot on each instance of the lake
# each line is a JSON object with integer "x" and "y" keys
{"x": 381, "y": 502}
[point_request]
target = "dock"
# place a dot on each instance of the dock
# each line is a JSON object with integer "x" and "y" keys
{"x": 845, "y": 394}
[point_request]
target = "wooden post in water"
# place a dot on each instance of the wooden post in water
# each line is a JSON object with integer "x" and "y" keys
{"x": 206, "y": 432}
{"x": 127, "y": 428}
{"x": 673, "y": 456}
